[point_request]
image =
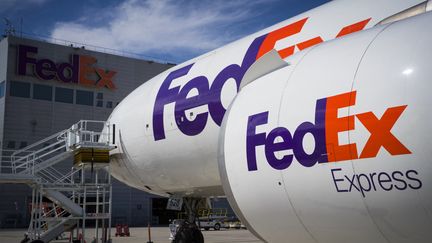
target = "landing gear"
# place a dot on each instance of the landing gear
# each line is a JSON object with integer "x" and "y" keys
{"x": 188, "y": 231}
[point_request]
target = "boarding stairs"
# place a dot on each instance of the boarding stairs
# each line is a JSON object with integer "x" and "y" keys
{"x": 67, "y": 190}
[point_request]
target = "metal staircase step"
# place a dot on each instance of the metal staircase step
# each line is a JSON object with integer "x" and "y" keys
{"x": 47, "y": 163}
{"x": 51, "y": 161}
{"x": 64, "y": 225}
{"x": 62, "y": 200}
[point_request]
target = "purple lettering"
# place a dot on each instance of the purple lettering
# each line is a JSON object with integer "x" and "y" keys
{"x": 335, "y": 181}
{"x": 271, "y": 147}
{"x": 164, "y": 97}
{"x": 206, "y": 96}
{"x": 400, "y": 179}
{"x": 254, "y": 139}
{"x": 304, "y": 158}
{"x": 71, "y": 69}
{"x": 217, "y": 111}
{"x": 362, "y": 188}
{"x": 412, "y": 178}
{"x": 384, "y": 178}
{"x": 183, "y": 103}
{"x": 24, "y": 59}
{"x": 352, "y": 183}
{"x": 295, "y": 143}
{"x": 45, "y": 69}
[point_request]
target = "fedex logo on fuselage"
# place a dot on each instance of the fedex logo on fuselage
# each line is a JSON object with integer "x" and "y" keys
{"x": 325, "y": 131}
{"x": 210, "y": 95}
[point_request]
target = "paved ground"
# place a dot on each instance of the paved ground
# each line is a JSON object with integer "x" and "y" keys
{"x": 139, "y": 235}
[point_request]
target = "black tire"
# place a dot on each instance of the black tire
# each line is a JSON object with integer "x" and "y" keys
{"x": 217, "y": 226}
{"x": 189, "y": 233}
{"x": 206, "y": 228}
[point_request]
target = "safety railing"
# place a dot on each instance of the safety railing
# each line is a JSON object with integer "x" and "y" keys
{"x": 53, "y": 176}
{"x": 27, "y": 163}
{"x": 212, "y": 212}
{"x": 6, "y": 166}
{"x": 68, "y": 178}
{"x": 70, "y": 189}
{"x": 89, "y": 132}
{"x": 84, "y": 133}
{"x": 55, "y": 216}
{"x": 36, "y": 146}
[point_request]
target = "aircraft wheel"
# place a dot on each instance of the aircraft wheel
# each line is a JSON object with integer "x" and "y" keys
{"x": 189, "y": 233}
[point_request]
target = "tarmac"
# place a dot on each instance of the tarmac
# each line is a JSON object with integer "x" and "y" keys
{"x": 140, "y": 235}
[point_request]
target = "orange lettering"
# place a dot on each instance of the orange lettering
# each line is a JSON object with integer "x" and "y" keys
{"x": 286, "y": 31}
{"x": 309, "y": 43}
{"x": 381, "y": 135}
{"x": 334, "y": 125}
{"x": 353, "y": 28}
{"x": 105, "y": 78}
{"x": 85, "y": 68}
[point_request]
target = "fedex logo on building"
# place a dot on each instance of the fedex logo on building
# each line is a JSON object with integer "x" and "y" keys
{"x": 210, "y": 95}
{"x": 80, "y": 70}
{"x": 325, "y": 131}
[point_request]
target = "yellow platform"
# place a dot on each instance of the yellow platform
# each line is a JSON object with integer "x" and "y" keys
{"x": 91, "y": 155}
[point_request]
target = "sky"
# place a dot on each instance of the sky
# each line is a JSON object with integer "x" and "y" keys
{"x": 166, "y": 30}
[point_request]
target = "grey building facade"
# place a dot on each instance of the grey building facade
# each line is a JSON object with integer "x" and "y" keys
{"x": 45, "y": 88}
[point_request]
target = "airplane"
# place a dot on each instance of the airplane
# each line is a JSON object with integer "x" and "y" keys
{"x": 316, "y": 129}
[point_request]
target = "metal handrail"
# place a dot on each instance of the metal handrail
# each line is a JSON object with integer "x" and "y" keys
{"x": 41, "y": 150}
{"x": 69, "y": 176}
{"x": 40, "y": 142}
{"x": 51, "y": 173}
{"x": 25, "y": 159}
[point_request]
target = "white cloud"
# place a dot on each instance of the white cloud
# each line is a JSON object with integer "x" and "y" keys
{"x": 164, "y": 26}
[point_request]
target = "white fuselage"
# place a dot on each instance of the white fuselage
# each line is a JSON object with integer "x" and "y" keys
{"x": 310, "y": 143}
{"x": 167, "y": 129}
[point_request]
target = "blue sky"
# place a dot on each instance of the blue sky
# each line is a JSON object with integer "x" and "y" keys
{"x": 170, "y": 30}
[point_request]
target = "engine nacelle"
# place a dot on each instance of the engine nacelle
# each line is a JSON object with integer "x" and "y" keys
{"x": 335, "y": 148}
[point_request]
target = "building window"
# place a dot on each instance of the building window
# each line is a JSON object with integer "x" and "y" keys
{"x": 42, "y": 92}
{"x": 99, "y": 99}
{"x": 20, "y": 89}
{"x": 64, "y": 95}
{"x": 109, "y": 104}
{"x": 2, "y": 89}
{"x": 84, "y": 97}
{"x": 11, "y": 145}
{"x": 23, "y": 144}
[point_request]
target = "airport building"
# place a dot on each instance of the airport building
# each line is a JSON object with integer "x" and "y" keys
{"x": 45, "y": 88}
